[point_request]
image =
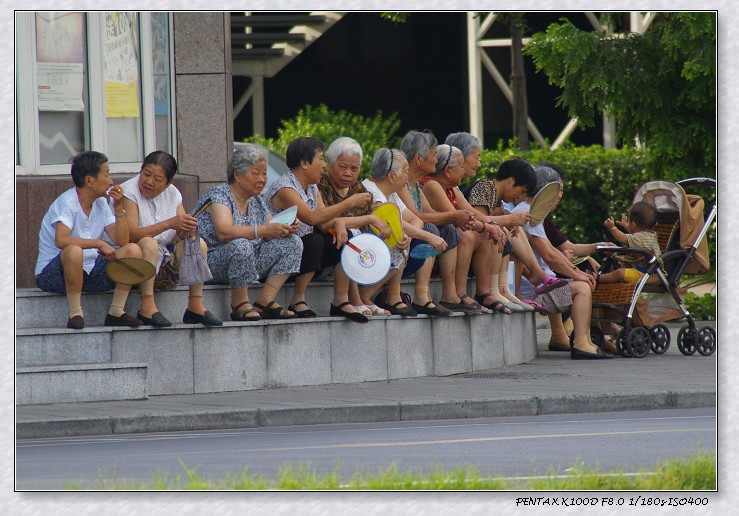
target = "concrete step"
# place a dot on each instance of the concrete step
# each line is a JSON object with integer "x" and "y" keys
{"x": 186, "y": 359}
{"x": 78, "y": 383}
{"x": 37, "y": 309}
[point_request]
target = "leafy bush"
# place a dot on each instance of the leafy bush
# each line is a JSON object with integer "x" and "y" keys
{"x": 327, "y": 125}
{"x": 702, "y": 308}
{"x": 598, "y": 183}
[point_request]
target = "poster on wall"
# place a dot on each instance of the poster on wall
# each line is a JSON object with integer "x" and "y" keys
{"x": 121, "y": 68}
{"x": 59, "y": 61}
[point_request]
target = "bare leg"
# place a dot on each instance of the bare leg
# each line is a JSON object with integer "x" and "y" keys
{"x": 447, "y": 266}
{"x": 341, "y": 290}
{"x": 72, "y": 258}
{"x": 581, "y": 313}
{"x": 120, "y": 294}
{"x": 560, "y": 340}
{"x": 150, "y": 253}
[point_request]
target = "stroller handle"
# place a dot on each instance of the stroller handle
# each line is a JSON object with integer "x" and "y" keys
{"x": 701, "y": 181}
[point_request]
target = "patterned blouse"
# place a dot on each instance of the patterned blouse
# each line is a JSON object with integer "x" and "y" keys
{"x": 256, "y": 213}
{"x": 483, "y": 193}
{"x": 331, "y": 197}
{"x": 309, "y": 196}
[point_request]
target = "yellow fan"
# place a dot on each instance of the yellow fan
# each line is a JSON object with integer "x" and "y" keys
{"x": 390, "y": 214}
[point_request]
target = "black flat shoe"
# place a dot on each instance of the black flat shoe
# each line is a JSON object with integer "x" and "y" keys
{"x": 76, "y": 323}
{"x": 336, "y": 311}
{"x": 426, "y": 309}
{"x": 207, "y": 319}
{"x": 157, "y": 320}
{"x": 302, "y": 314}
{"x": 577, "y": 354}
{"x": 123, "y": 320}
{"x": 406, "y": 311}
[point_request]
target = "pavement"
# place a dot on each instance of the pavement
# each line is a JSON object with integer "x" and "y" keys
{"x": 550, "y": 384}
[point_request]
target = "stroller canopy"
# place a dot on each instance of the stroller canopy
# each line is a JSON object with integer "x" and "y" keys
{"x": 669, "y": 198}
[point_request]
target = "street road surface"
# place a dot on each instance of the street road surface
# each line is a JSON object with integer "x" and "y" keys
{"x": 510, "y": 446}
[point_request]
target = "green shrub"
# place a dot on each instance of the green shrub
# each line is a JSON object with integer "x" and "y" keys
{"x": 599, "y": 183}
{"x": 702, "y": 308}
{"x": 321, "y": 122}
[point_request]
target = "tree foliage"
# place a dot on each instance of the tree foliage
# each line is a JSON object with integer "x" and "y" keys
{"x": 660, "y": 87}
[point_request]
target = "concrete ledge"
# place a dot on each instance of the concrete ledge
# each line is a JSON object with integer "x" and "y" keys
{"x": 91, "y": 382}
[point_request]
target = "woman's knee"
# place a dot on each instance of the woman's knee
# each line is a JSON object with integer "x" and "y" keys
{"x": 129, "y": 250}
{"x": 72, "y": 255}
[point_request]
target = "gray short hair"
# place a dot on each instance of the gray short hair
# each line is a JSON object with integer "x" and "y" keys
{"x": 243, "y": 158}
{"x": 447, "y": 156}
{"x": 464, "y": 142}
{"x": 343, "y": 146}
{"x": 385, "y": 161}
{"x": 417, "y": 142}
{"x": 544, "y": 176}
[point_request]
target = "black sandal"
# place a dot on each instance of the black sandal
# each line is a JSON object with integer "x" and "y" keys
{"x": 241, "y": 315}
{"x": 494, "y": 307}
{"x": 272, "y": 311}
{"x": 302, "y": 313}
{"x": 337, "y": 311}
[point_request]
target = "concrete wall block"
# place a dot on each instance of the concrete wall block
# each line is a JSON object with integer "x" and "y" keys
{"x": 39, "y": 385}
{"x": 38, "y": 348}
{"x": 232, "y": 358}
{"x": 168, "y": 352}
{"x": 409, "y": 347}
{"x": 487, "y": 342}
{"x": 512, "y": 334}
{"x": 452, "y": 344}
{"x": 299, "y": 353}
{"x": 357, "y": 354}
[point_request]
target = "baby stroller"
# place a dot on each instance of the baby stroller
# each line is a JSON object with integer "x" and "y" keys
{"x": 642, "y": 307}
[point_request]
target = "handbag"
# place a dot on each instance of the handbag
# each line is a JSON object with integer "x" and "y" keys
{"x": 193, "y": 267}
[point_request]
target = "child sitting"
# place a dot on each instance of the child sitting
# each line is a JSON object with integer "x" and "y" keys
{"x": 642, "y": 218}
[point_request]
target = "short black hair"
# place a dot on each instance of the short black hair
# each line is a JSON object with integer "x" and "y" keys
{"x": 164, "y": 160}
{"x": 521, "y": 171}
{"x": 300, "y": 149}
{"x": 643, "y": 214}
{"x": 85, "y": 164}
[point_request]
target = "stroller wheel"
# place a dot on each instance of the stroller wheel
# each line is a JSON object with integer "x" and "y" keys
{"x": 660, "y": 338}
{"x": 687, "y": 341}
{"x": 621, "y": 343}
{"x": 639, "y": 341}
{"x": 706, "y": 341}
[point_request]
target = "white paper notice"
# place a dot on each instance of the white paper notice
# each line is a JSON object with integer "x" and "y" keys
{"x": 59, "y": 86}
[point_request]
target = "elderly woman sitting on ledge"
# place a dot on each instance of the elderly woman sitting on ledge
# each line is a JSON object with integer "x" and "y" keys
{"x": 157, "y": 222}
{"x": 243, "y": 247}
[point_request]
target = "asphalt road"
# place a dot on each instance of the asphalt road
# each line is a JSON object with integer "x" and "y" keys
{"x": 511, "y": 446}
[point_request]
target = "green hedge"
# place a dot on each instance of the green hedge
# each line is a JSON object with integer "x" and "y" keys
{"x": 325, "y": 124}
{"x": 599, "y": 183}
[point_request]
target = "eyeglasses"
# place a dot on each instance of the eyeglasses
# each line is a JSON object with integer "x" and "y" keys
{"x": 390, "y": 169}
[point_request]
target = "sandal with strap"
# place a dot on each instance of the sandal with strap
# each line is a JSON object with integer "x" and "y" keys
{"x": 427, "y": 309}
{"x": 242, "y": 315}
{"x": 336, "y": 311}
{"x": 302, "y": 314}
{"x": 405, "y": 311}
{"x": 494, "y": 307}
{"x": 472, "y": 307}
{"x": 274, "y": 311}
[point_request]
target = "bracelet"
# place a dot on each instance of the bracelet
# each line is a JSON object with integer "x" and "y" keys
{"x": 256, "y": 232}
{"x": 121, "y": 215}
{"x": 492, "y": 222}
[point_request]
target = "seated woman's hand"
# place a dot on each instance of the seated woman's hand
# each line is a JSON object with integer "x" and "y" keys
{"x": 107, "y": 251}
{"x": 437, "y": 242}
{"x": 184, "y": 223}
{"x": 271, "y": 231}
{"x": 463, "y": 219}
{"x": 382, "y": 227}
{"x": 520, "y": 218}
{"x": 405, "y": 243}
{"x": 360, "y": 200}
{"x": 339, "y": 233}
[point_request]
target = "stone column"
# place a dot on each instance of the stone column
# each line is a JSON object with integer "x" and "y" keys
{"x": 204, "y": 95}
